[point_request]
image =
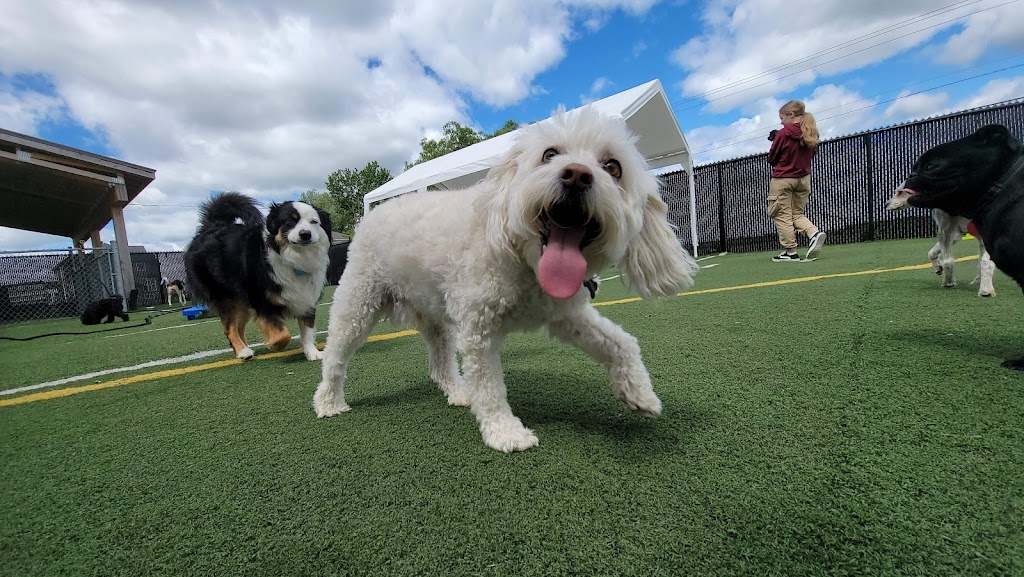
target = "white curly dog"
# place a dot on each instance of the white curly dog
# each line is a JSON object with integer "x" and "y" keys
{"x": 571, "y": 198}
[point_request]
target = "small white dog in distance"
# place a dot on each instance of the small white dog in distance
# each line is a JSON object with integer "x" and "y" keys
{"x": 572, "y": 197}
{"x": 951, "y": 229}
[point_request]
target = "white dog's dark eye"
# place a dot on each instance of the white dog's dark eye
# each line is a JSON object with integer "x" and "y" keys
{"x": 314, "y": 222}
{"x": 549, "y": 154}
{"x": 613, "y": 168}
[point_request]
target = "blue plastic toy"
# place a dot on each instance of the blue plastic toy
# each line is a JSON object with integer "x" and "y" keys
{"x": 192, "y": 313}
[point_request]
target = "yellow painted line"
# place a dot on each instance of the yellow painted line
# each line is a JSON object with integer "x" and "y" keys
{"x": 787, "y": 281}
{"x": 56, "y": 394}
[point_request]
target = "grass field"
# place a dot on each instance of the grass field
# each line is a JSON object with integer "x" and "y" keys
{"x": 829, "y": 424}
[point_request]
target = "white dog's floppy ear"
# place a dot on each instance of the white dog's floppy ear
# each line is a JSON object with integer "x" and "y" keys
{"x": 655, "y": 263}
{"x": 496, "y": 204}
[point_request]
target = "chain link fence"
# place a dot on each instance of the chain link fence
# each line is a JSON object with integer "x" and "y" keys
{"x": 36, "y": 285}
{"x": 48, "y": 284}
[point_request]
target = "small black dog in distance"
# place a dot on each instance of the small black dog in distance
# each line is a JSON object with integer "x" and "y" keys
{"x": 109, "y": 307}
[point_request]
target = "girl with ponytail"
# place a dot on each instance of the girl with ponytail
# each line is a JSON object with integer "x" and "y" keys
{"x": 790, "y": 156}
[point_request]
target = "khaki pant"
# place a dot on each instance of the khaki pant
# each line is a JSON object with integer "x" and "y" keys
{"x": 787, "y": 199}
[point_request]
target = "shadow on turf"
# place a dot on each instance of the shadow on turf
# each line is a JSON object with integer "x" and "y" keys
{"x": 584, "y": 404}
{"x": 998, "y": 345}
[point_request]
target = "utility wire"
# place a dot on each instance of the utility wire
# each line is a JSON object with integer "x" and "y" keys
{"x": 902, "y": 96}
{"x": 856, "y": 40}
{"x": 773, "y": 80}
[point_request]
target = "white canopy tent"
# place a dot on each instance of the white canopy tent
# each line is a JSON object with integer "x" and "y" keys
{"x": 647, "y": 113}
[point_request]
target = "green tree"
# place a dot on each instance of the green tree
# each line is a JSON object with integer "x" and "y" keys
{"x": 509, "y": 126}
{"x": 343, "y": 199}
{"x": 453, "y": 137}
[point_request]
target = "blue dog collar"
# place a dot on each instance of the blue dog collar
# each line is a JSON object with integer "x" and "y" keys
{"x": 299, "y": 272}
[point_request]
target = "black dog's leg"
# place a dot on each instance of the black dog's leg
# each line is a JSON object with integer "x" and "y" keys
{"x": 110, "y": 318}
{"x": 124, "y": 317}
{"x": 1015, "y": 364}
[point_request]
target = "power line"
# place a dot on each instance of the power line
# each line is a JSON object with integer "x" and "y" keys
{"x": 905, "y": 86}
{"x": 827, "y": 50}
{"x": 704, "y": 150}
{"x": 843, "y": 56}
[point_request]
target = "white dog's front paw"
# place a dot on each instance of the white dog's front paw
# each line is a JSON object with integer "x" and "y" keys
{"x": 245, "y": 354}
{"x": 314, "y": 354}
{"x": 507, "y": 434}
{"x": 642, "y": 401}
{"x": 458, "y": 394}
{"x": 326, "y": 404}
{"x": 459, "y": 398}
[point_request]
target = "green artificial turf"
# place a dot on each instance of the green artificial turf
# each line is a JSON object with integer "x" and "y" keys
{"x": 857, "y": 425}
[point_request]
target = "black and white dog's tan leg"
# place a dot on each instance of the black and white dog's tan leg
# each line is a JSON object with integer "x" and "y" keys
{"x": 307, "y": 336}
{"x": 616, "y": 350}
{"x": 233, "y": 318}
{"x": 275, "y": 332}
{"x": 481, "y": 365}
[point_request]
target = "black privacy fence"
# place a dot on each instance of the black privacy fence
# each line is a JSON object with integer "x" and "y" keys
{"x": 852, "y": 179}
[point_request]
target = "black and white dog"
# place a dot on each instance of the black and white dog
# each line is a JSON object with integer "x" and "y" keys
{"x": 951, "y": 229}
{"x": 109, "y": 307}
{"x": 240, "y": 263}
{"x": 172, "y": 289}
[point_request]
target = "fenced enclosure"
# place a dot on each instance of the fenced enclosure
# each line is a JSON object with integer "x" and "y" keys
{"x": 852, "y": 178}
{"x": 48, "y": 284}
{"x": 37, "y": 285}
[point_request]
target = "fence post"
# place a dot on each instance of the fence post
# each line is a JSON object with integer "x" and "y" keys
{"x": 723, "y": 242}
{"x": 870, "y": 187}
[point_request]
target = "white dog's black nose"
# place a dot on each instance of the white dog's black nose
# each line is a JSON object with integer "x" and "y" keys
{"x": 576, "y": 178}
{"x": 305, "y": 235}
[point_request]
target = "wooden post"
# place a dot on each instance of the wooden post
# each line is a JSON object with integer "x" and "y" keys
{"x": 121, "y": 237}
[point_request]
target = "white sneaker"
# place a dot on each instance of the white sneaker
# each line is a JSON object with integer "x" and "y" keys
{"x": 817, "y": 242}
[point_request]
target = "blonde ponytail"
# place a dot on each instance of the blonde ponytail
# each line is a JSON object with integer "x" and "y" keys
{"x": 808, "y": 126}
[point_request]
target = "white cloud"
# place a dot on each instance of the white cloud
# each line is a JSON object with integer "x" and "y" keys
{"x": 597, "y": 89}
{"x": 910, "y": 107}
{"x": 639, "y": 48}
{"x": 747, "y": 47}
{"x": 269, "y": 97}
{"x": 837, "y": 110}
{"x": 994, "y": 91}
{"x": 23, "y": 112}
{"x": 1002, "y": 26}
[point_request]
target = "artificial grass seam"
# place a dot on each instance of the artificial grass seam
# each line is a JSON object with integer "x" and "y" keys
{"x": 60, "y": 393}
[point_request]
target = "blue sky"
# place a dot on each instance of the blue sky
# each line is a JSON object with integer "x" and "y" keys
{"x": 268, "y": 99}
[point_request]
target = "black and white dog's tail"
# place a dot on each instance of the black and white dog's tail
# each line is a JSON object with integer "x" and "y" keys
{"x": 228, "y": 208}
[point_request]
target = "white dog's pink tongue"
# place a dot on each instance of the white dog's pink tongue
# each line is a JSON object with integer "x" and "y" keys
{"x": 562, "y": 266}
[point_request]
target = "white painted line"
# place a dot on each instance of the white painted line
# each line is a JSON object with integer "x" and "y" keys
{"x": 711, "y": 256}
{"x": 611, "y": 278}
{"x": 712, "y": 265}
{"x": 160, "y": 329}
{"x": 147, "y": 365}
{"x": 58, "y": 382}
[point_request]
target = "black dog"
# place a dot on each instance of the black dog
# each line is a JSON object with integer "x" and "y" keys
{"x": 338, "y": 254}
{"x": 980, "y": 177}
{"x": 109, "y": 307}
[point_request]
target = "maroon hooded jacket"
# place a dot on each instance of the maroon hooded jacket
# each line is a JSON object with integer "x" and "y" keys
{"x": 788, "y": 157}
